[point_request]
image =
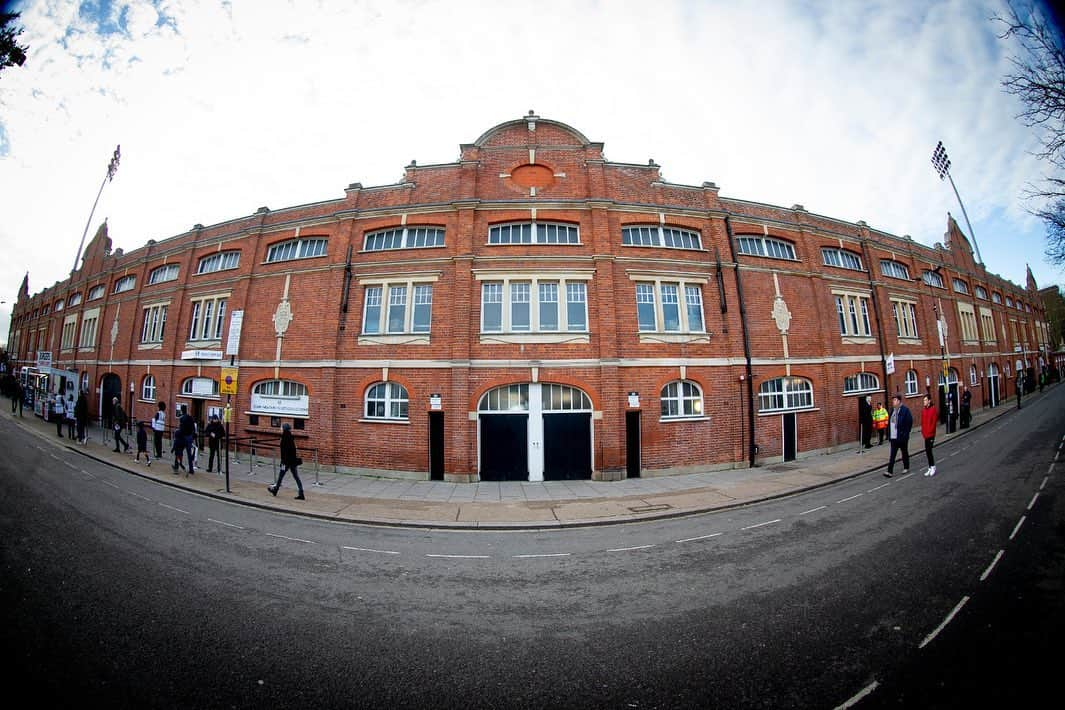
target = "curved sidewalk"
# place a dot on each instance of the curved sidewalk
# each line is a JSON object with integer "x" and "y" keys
{"x": 551, "y": 504}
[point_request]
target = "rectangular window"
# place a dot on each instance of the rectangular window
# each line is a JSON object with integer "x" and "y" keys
{"x": 645, "y": 307}
{"x": 905, "y": 314}
{"x": 492, "y": 307}
{"x": 693, "y": 296}
{"x": 397, "y": 308}
{"x": 423, "y": 308}
{"x": 670, "y": 308}
{"x": 153, "y": 325}
{"x": 853, "y": 313}
{"x": 548, "y": 305}
{"x": 88, "y": 329}
{"x": 409, "y": 308}
{"x": 371, "y": 314}
{"x": 519, "y": 306}
{"x": 576, "y": 307}
{"x": 533, "y": 306}
{"x": 208, "y": 318}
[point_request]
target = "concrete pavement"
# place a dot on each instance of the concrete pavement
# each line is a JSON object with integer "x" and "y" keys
{"x": 549, "y": 504}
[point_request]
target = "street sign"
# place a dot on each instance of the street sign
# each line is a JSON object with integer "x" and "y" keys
{"x": 236, "y": 320}
{"x": 227, "y": 384}
{"x": 889, "y": 366}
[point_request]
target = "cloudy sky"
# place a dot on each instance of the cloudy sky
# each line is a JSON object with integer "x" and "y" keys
{"x": 223, "y": 107}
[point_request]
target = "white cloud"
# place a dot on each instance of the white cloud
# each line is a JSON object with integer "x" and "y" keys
{"x": 223, "y": 107}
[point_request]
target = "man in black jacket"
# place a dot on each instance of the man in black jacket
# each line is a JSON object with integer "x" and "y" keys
{"x": 215, "y": 434}
{"x": 118, "y": 418}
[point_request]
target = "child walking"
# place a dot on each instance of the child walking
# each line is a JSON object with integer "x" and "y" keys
{"x": 142, "y": 443}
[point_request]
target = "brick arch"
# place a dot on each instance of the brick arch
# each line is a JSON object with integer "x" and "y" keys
{"x": 475, "y": 396}
{"x": 272, "y": 379}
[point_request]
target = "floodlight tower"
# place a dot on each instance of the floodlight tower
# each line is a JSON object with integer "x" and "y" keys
{"x": 941, "y": 162}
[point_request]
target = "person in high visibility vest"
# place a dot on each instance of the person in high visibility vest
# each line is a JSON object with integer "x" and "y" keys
{"x": 880, "y": 419}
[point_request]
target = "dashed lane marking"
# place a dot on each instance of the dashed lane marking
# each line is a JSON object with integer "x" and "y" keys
{"x": 293, "y": 539}
{"x": 758, "y": 525}
{"x": 699, "y": 537}
{"x": 542, "y": 554}
{"x": 138, "y": 495}
{"x": 629, "y": 549}
{"x": 859, "y": 696}
{"x": 929, "y": 638}
{"x": 1034, "y": 499}
{"x": 369, "y": 549}
{"x": 1045, "y": 479}
{"x": 859, "y": 495}
{"x": 882, "y": 485}
{"x": 987, "y": 572}
{"x": 461, "y": 557}
{"x": 813, "y": 510}
{"x": 177, "y": 509}
{"x": 222, "y": 522}
{"x": 1017, "y": 528}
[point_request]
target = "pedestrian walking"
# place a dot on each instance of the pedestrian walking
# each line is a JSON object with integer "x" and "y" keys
{"x": 215, "y": 433}
{"x": 118, "y": 422}
{"x": 81, "y": 416}
{"x": 142, "y": 443}
{"x": 929, "y": 420}
{"x": 16, "y": 396}
{"x": 20, "y": 397}
{"x": 1020, "y": 386}
{"x": 899, "y": 425}
{"x": 59, "y": 412}
{"x": 966, "y": 407}
{"x": 880, "y": 421}
{"x": 865, "y": 422}
{"x": 184, "y": 440}
{"x": 290, "y": 460}
{"x": 68, "y": 414}
{"x": 158, "y": 427}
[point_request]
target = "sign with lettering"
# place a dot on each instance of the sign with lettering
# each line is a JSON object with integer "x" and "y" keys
{"x": 236, "y": 320}
{"x": 227, "y": 383}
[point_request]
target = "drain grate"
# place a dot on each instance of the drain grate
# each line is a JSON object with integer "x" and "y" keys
{"x": 650, "y": 508}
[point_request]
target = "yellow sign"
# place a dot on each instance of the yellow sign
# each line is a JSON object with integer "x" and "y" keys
{"x": 228, "y": 382}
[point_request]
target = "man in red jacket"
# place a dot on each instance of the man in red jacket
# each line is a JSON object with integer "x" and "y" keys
{"x": 929, "y": 419}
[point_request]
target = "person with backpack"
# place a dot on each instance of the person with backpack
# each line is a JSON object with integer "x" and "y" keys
{"x": 118, "y": 422}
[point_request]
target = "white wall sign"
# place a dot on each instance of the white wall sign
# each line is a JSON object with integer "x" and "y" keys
{"x": 236, "y": 320}
{"x": 291, "y": 406}
{"x": 201, "y": 354}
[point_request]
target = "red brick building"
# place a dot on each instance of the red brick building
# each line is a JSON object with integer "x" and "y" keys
{"x": 534, "y": 310}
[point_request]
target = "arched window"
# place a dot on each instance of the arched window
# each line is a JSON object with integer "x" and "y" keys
{"x": 974, "y": 378}
{"x": 280, "y": 398}
{"x": 387, "y": 400}
{"x": 657, "y": 235}
{"x": 166, "y": 272}
{"x": 148, "y": 388}
{"x": 219, "y": 261}
{"x": 757, "y": 245}
{"x": 785, "y": 393}
{"x": 85, "y": 381}
{"x": 911, "y": 383}
{"x": 860, "y": 382}
{"x": 199, "y": 387}
{"x": 950, "y": 379}
{"x": 681, "y": 399}
{"x": 296, "y": 249}
{"x": 510, "y": 398}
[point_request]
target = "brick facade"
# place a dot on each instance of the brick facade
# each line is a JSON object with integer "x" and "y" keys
{"x": 524, "y": 171}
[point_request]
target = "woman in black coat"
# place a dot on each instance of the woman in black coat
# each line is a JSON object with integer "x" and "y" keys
{"x": 290, "y": 460}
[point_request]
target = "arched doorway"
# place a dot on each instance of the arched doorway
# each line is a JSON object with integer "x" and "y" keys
{"x": 110, "y": 387}
{"x": 948, "y": 399}
{"x": 535, "y": 432}
{"x": 992, "y": 384}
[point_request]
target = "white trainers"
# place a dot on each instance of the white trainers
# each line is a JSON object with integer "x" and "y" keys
{"x": 932, "y": 471}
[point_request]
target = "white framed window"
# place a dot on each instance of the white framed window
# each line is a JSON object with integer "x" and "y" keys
{"x": 280, "y": 398}
{"x": 981, "y": 292}
{"x": 960, "y": 286}
{"x": 75, "y": 300}
{"x": 393, "y": 308}
{"x": 96, "y": 292}
{"x": 304, "y": 248}
{"x": 535, "y": 304}
{"x": 894, "y": 269}
{"x": 668, "y": 307}
{"x": 852, "y": 311}
{"x": 987, "y": 325}
{"x": 752, "y": 245}
{"x": 387, "y": 400}
{"x": 932, "y": 278}
{"x": 153, "y": 324}
{"x": 148, "y": 388}
{"x": 208, "y": 318}
{"x": 1009, "y": 302}
{"x": 681, "y": 399}
{"x": 534, "y": 233}
{"x": 967, "y": 321}
{"x": 841, "y": 258}
{"x": 85, "y": 381}
{"x": 220, "y": 261}
{"x": 785, "y": 393}
{"x": 46, "y": 309}
{"x": 657, "y": 235}
{"x": 199, "y": 387}
{"x": 59, "y": 305}
{"x": 89, "y": 322}
{"x": 404, "y": 238}
{"x": 166, "y": 272}
{"x": 912, "y": 384}
{"x": 974, "y": 378}
{"x": 126, "y": 283}
{"x": 905, "y": 314}
{"x": 70, "y": 327}
{"x": 996, "y": 298}
{"x": 860, "y": 382}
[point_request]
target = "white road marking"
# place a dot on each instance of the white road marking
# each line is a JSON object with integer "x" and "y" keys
{"x": 882, "y": 485}
{"x": 813, "y": 510}
{"x": 222, "y": 522}
{"x": 991, "y": 566}
{"x": 293, "y": 539}
{"x": 461, "y": 557}
{"x": 758, "y": 525}
{"x": 851, "y": 498}
{"x": 543, "y": 554}
{"x": 628, "y": 549}
{"x": 1034, "y": 498}
{"x": 113, "y": 485}
{"x": 700, "y": 537}
{"x": 928, "y": 639}
{"x": 1044, "y": 483}
{"x": 368, "y": 549}
{"x": 859, "y": 696}
{"x": 138, "y": 495}
{"x": 956, "y": 453}
{"x": 1019, "y": 524}
{"x": 177, "y": 509}
{"x": 1051, "y": 469}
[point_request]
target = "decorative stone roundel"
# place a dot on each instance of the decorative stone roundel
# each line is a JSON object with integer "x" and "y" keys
{"x": 533, "y": 175}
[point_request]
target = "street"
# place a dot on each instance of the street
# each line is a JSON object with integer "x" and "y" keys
{"x": 908, "y": 592}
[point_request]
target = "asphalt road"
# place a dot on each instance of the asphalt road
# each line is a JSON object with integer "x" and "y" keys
{"x": 909, "y": 592}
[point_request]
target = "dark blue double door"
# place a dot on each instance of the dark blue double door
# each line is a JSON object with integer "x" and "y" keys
{"x": 505, "y": 445}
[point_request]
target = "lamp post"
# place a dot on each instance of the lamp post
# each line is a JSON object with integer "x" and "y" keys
{"x": 941, "y": 162}
{"x": 944, "y": 354}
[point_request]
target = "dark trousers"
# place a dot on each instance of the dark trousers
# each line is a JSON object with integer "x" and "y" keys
{"x": 210, "y": 459}
{"x": 81, "y": 431}
{"x": 183, "y": 444}
{"x": 295, "y": 474}
{"x": 157, "y": 439}
{"x": 867, "y": 434}
{"x": 119, "y": 441}
{"x": 70, "y": 428}
{"x": 880, "y": 436}
{"x": 58, "y": 423}
{"x": 928, "y": 444}
{"x": 966, "y": 417}
{"x": 896, "y": 446}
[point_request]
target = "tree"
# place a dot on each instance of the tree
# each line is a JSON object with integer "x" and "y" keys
{"x": 11, "y": 52}
{"x": 1038, "y": 80}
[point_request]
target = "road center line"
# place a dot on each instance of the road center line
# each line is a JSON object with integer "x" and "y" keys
{"x": 222, "y": 522}
{"x": 293, "y": 539}
{"x": 928, "y": 639}
{"x": 1034, "y": 498}
{"x": 700, "y": 537}
{"x": 543, "y": 554}
{"x": 461, "y": 557}
{"x": 991, "y": 566}
{"x": 813, "y": 510}
{"x": 758, "y": 525}
{"x": 138, "y": 495}
{"x": 882, "y": 485}
{"x": 177, "y": 509}
{"x": 851, "y": 498}
{"x": 628, "y": 549}
{"x": 859, "y": 696}
{"x": 1044, "y": 483}
{"x": 1019, "y": 524}
{"x": 368, "y": 549}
